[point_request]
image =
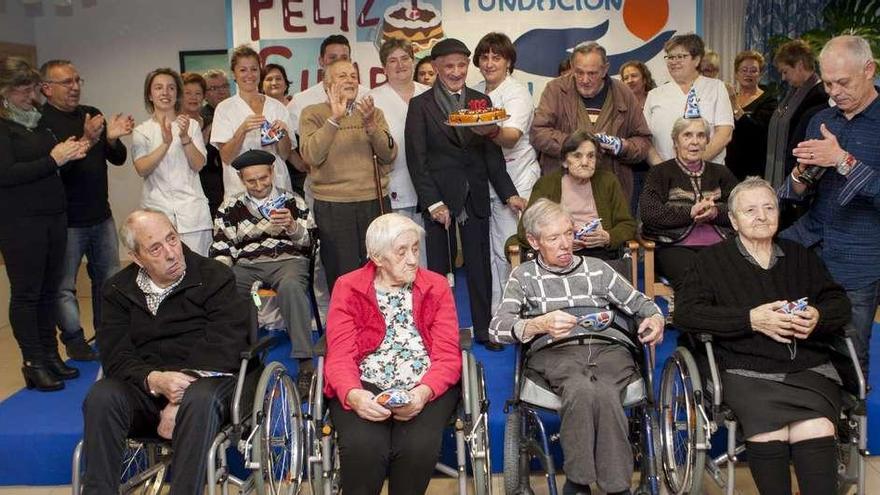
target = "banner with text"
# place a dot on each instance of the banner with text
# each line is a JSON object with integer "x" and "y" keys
{"x": 289, "y": 32}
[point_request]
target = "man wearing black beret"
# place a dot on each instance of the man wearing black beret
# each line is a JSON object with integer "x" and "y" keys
{"x": 451, "y": 169}
{"x": 263, "y": 234}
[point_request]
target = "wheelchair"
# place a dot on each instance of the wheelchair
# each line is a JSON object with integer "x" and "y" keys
{"x": 525, "y": 436}
{"x": 470, "y": 426}
{"x": 692, "y": 411}
{"x": 270, "y": 438}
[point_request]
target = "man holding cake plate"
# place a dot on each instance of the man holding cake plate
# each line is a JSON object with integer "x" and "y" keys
{"x": 451, "y": 172}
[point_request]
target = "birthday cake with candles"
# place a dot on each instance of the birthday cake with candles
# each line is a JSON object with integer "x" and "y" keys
{"x": 420, "y": 24}
{"x": 478, "y": 111}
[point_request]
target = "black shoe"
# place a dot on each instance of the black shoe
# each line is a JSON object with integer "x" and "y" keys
{"x": 79, "y": 350}
{"x": 493, "y": 346}
{"x": 304, "y": 384}
{"x": 571, "y": 488}
{"x": 62, "y": 371}
{"x": 39, "y": 377}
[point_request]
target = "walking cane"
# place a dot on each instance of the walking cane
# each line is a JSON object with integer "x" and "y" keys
{"x": 450, "y": 275}
{"x": 378, "y": 180}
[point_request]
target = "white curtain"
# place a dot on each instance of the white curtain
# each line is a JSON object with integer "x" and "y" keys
{"x": 723, "y": 31}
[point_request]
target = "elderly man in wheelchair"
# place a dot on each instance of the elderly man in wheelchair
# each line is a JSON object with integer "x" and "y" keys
{"x": 774, "y": 314}
{"x": 175, "y": 334}
{"x": 554, "y": 304}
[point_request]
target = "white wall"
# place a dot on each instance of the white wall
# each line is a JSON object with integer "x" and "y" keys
{"x": 15, "y": 25}
{"x": 114, "y": 44}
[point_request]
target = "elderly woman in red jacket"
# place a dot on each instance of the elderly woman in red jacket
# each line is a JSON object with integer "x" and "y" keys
{"x": 392, "y": 326}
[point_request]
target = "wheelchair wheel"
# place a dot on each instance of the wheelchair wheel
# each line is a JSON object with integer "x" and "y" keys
{"x": 514, "y": 465}
{"x": 278, "y": 449}
{"x": 479, "y": 430}
{"x": 143, "y": 467}
{"x": 682, "y": 426}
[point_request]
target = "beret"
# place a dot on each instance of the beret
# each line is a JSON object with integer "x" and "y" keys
{"x": 253, "y": 157}
{"x": 449, "y": 46}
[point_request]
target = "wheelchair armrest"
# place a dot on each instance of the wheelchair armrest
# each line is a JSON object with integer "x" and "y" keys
{"x": 713, "y": 372}
{"x": 320, "y": 347}
{"x": 465, "y": 339}
{"x": 262, "y": 345}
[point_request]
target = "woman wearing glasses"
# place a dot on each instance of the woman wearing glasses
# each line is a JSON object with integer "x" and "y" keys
{"x": 752, "y": 111}
{"x": 33, "y": 229}
{"x": 688, "y": 94}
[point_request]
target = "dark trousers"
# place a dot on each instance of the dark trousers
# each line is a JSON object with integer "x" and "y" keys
{"x": 673, "y": 262}
{"x": 33, "y": 248}
{"x": 115, "y": 410}
{"x": 403, "y": 451}
{"x": 342, "y": 228}
{"x": 475, "y": 248}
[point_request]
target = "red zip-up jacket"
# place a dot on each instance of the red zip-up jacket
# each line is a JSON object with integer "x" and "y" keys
{"x": 356, "y": 328}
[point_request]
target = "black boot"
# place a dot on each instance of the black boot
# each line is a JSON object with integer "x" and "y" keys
{"x": 58, "y": 368}
{"x": 39, "y": 377}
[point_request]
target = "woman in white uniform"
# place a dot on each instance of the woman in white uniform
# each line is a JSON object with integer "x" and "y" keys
{"x": 239, "y": 119}
{"x": 495, "y": 56}
{"x": 688, "y": 95}
{"x": 168, "y": 152}
{"x": 396, "y": 56}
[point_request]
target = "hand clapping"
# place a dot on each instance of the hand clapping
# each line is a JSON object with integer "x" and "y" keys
{"x": 71, "y": 149}
{"x": 368, "y": 111}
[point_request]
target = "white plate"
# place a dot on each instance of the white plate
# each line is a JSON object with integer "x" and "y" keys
{"x": 476, "y": 124}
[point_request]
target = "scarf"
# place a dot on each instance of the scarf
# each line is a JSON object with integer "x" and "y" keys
{"x": 26, "y": 118}
{"x": 777, "y": 133}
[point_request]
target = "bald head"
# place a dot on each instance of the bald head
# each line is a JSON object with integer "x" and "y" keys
{"x": 852, "y": 49}
{"x": 154, "y": 245}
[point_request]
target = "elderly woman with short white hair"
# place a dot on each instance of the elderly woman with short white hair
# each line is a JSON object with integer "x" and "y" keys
{"x": 391, "y": 327}
{"x": 777, "y": 373}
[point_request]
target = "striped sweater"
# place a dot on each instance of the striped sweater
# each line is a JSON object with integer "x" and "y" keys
{"x": 242, "y": 234}
{"x": 589, "y": 283}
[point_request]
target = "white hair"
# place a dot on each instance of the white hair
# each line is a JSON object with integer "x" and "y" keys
{"x": 539, "y": 214}
{"x": 385, "y": 229}
{"x": 127, "y": 231}
{"x": 749, "y": 183}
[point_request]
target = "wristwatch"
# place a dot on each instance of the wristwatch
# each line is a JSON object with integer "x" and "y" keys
{"x": 845, "y": 166}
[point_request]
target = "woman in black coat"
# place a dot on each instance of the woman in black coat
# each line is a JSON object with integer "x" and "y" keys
{"x": 33, "y": 227}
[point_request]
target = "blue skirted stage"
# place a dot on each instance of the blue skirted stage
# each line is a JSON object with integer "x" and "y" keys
{"x": 38, "y": 431}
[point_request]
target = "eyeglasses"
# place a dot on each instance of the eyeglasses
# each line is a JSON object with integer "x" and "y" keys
{"x": 68, "y": 83}
{"x": 218, "y": 87}
{"x": 24, "y": 89}
{"x": 676, "y": 58}
{"x": 749, "y": 70}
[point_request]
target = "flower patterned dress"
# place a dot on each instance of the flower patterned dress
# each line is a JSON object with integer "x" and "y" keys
{"x": 401, "y": 359}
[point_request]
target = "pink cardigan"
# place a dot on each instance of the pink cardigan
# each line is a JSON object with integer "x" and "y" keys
{"x": 356, "y": 328}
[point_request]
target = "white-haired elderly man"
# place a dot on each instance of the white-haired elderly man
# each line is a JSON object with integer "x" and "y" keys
{"x": 165, "y": 315}
{"x": 546, "y": 296}
{"x": 844, "y": 218}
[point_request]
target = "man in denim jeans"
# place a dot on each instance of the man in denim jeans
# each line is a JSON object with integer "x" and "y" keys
{"x": 90, "y": 228}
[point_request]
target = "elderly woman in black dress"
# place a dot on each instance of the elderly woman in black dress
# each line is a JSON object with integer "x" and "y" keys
{"x": 776, "y": 371}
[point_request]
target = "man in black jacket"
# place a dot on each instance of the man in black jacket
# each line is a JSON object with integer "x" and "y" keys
{"x": 167, "y": 317}
{"x": 90, "y": 228}
{"x": 451, "y": 168}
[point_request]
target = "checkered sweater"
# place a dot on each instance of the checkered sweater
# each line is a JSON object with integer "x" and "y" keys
{"x": 590, "y": 283}
{"x": 242, "y": 234}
